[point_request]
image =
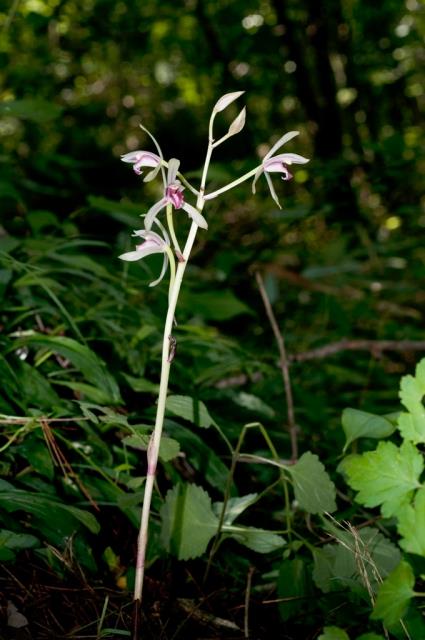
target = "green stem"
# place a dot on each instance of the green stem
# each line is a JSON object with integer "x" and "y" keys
{"x": 170, "y": 224}
{"x": 155, "y": 441}
{"x": 246, "y": 176}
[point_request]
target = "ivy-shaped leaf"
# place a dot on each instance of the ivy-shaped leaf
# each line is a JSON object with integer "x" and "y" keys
{"x": 359, "y": 424}
{"x": 394, "y": 595}
{"x": 412, "y": 391}
{"x": 313, "y": 488}
{"x": 411, "y": 525}
{"x": 188, "y": 521}
{"x": 385, "y": 477}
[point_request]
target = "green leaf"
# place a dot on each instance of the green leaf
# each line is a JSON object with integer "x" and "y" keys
{"x": 83, "y": 358}
{"x": 394, "y": 595}
{"x": 190, "y": 409}
{"x": 13, "y": 540}
{"x": 36, "y": 110}
{"x": 411, "y": 525}
{"x": 36, "y": 452}
{"x": 314, "y": 490}
{"x": 188, "y": 521}
{"x": 214, "y": 305}
{"x": 293, "y": 587}
{"x": 333, "y": 633}
{"x": 385, "y": 477}
{"x": 235, "y": 506}
{"x": 370, "y": 636}
{"x": 253, "y": 403}
{"x": 360, "y": 555}
{"x": 200, "y": 455}
{"x": 168, "y": 448}
{"x": 360, "y": 424}
{"x": 258, "y": 540}
{"x": 51, "y": 512}
{"x": 412, "y": 391}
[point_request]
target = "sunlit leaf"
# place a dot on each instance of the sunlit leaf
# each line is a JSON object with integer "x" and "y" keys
{"x": 360, "y": 424}
{"x": 395, "y": 595}
{"x": 385, "y": 477}
{"x": 412, "y": 391}
{"x": 411, "y": 525}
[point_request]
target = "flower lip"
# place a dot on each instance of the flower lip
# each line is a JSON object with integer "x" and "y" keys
{"x": 141, "y": 159}
{"x": 174, "y": 195}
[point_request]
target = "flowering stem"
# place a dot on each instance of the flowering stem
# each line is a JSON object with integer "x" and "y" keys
{"x": 155, "y": 441}
{"x": 246, "y": 176}
{"x": 153, "y": 449}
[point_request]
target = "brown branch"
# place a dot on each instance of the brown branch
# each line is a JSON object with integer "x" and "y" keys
{"x": 376, "y": 347}
{"x": 284, "y": 366}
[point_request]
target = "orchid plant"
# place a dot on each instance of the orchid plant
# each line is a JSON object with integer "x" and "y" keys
{"x": 164, "y": 240}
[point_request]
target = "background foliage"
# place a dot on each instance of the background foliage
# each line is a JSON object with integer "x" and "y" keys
{"x": 80, "y": 332}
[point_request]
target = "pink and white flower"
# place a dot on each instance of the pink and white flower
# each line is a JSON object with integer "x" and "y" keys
{"x": 151, "y": 243}
{"x": 140, "y": 159}
{"x": 174, "y": 196}
{"x": 278, "y": 164}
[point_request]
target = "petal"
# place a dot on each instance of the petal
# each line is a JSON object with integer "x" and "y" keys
{"x": 152, "y": 213}
{"x": 173, "y": 167}
{"x": 195, "y": 215}
{"x": 149, "y": 236}
{"x": 257, "y": 175}
{"x": 152, "y": 174}
{"x": 272, "y": 191}
{"x": 283, "y": 140}
{"x": 133, "y": 156}
{"x": 130, "y": 256}
{"x": 162, "y": 274}
{"x": 288, "y": 158}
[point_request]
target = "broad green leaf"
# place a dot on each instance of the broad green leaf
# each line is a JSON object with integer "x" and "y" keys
{"x": 13, "y": 540}
{"x": 412, "y": 391}
{"x": 188, "y": 521}
{"x": 168, "y": 448}
{"x": 190, "y": 409}
{"x": 411, "y": 525}
{"x": 141, "y": 385}
{"x": 214, "y": 305}
{"x": 293, "y": 587}
{"x": 86, "y": 391}
{"x": 83, "y": 358}
{"x": 385, "y": 477}
{"x": 253, "y": 403}
{"x": 46, "y": 509}
{"x": 360, "y": 424}
{"x": 394, "y": 595}
{"x": 370, "y": 636}
{"x": 35, "y": 451}
{"x": 258, "y": 540}
{"x": 235, "y": 506}
{"x": 333, "y": 633}
{"x": 314, "y": 490}
{"x": 36, "y": 110}
{"x": 201, "y": 456}
{"x": 125, "y": 212}
{"x": 359, "y": 555}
